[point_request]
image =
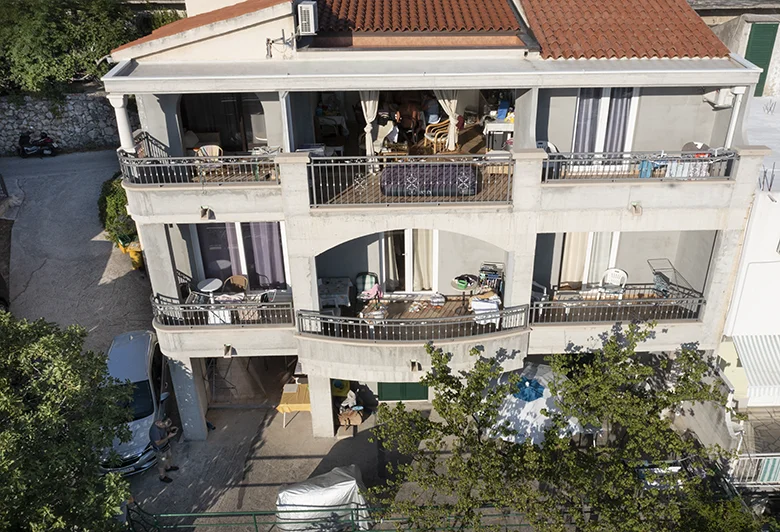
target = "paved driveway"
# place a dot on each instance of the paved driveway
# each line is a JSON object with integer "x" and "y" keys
{"x": 62, "y": 267}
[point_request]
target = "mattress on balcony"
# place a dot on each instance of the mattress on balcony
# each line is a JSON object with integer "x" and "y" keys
{"x": 429, "y": 179}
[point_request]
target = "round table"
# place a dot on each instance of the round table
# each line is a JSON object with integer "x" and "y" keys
{"x": 469, "y": 288}
{"x": 209, "y": 286}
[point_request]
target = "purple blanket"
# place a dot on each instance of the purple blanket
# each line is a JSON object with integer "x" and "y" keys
{"x": 430, "y": 179}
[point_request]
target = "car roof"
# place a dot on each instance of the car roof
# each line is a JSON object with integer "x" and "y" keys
{"x": 128, "y": 355}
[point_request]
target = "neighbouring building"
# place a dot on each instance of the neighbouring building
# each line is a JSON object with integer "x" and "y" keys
{"x": 588, "y": 169}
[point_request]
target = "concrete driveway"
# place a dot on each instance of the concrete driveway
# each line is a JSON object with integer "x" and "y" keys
{"x": 62, "y": 267}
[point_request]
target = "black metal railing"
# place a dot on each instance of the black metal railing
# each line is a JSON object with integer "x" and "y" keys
{"x": 406, "y": 179}
{"x": 219, "y": 313}
{"x": 685, "y": 166}
{"x": 412, "y": 330}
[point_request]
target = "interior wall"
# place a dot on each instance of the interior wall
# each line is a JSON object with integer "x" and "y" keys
{"x": 179, "y": 237}
{"x": 635, "y": 248}
{"x": 669, "y": 117}
{"x": 555, "y": 117}
{"x": 161, "y": 118}
{"x": 468, "y": 98}
{"x": 693, "y": 256}
{"x": 351, "y": 258}
{"x": 459, "y": 254}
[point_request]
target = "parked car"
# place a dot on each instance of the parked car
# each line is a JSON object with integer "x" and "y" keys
{"x": 136, "y": 356}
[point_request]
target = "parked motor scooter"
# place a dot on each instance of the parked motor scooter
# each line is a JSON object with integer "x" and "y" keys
{"x": 44, "y": 145}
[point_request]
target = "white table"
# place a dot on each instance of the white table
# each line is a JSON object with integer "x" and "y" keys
{"x": 215, "y": 316}
{"x": 497, "y": 126}
{"x": 334, "y": 291}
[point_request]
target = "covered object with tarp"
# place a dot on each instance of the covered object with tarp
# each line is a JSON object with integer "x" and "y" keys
{"x": 329, "y": 502}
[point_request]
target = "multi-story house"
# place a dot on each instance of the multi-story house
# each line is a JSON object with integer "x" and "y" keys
{"x": 587, "y": 157}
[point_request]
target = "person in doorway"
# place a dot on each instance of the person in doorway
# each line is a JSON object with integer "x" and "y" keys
{"x": 160, "y": 435}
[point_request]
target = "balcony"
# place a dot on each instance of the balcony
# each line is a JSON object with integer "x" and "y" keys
{"x": 411, "y": 180}
{"x": 756, "y": 471}
{"x": 639, "y": 302}
{"x": 199, "y": 311}
{"x": 641, "y": 166}
{"x": 401, "y": 326}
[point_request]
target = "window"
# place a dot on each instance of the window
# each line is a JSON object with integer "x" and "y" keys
{"x": 410, "y": 260}
{"x": 605, "y": 120}
{"x": 253, "y": 249}
{"x": 142, "y": 402}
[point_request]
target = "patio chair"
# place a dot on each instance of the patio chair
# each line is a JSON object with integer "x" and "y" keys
{"x": 209, "y": 159}
{"x": 613, "y": 282}
{"x": 235, "y": 284}
{"x": 436, "y": 135}
{"x": 365, "y": 281}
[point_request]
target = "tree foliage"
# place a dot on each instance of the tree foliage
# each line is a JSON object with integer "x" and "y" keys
{"x": 112, "y": 211}
{"x": 47, "y": 43}
{"x": 456, "y": 464}
{"x": 58, "y": 410}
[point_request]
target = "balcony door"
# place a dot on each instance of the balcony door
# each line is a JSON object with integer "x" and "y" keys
{"x": 586, "y": 256}
{"x": 605, "y": 119}
{"x": 409, "y": 259}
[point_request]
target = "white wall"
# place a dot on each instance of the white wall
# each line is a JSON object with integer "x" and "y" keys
{"x": 350, "y": 258}
{"x": 196, "y": 7}
{"x": 755, "y": 306}
{"x": 555, "y": 117}
{"x": 693, "y": 256}
{"x": 459, "y": 254}
{"x": 635, "y": 248}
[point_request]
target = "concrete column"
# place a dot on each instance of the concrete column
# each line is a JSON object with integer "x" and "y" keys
{"x": 161, "y": 120}
{"x": 287, "y": 128}
{"x": 119, "y": 102}
{"x": 190, "y": 390}
{"x": 520, "y": 264}
{"x": 321, "y": 407}
{"x": 526, "y": 105}
{"x": 159, "y": 260}
{"x": 527, "y": 179}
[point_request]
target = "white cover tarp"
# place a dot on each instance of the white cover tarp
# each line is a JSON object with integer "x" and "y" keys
{"x": 325, "y": 502}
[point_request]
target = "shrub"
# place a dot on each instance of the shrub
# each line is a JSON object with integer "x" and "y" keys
{"x": 112, "y": 211}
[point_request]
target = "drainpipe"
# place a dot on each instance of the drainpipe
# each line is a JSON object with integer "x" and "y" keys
{"x": 738, "y": 93}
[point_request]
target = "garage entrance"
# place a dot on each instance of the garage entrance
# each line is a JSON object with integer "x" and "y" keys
{"x": 247, "y": 381}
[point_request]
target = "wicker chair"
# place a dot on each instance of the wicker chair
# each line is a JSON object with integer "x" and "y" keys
{"x": 436, "y": 135}
{"x": 235, "y": 283}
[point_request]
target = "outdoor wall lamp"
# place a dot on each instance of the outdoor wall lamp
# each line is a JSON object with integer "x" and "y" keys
{"x": 227, "y": 351}
{"x": 205, "y": 212}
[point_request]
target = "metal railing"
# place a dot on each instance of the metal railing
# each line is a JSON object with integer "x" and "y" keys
{"x": 756, "y": 470}
{"x": 407, "y": 179}
{"x": 412, "y": 330}
{"x": 203, "y": 170}
{"x": 653, "y": 166}
{"x": 222, "y": 313}
{"x": 638, "y": 302}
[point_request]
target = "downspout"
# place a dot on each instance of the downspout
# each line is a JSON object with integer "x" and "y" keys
{"x": 739, "y": 92}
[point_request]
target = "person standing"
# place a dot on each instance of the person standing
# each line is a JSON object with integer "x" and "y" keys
{"x": 160, "y": 435}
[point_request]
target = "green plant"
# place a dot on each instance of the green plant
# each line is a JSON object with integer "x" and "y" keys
{"x": 112, "y": 211}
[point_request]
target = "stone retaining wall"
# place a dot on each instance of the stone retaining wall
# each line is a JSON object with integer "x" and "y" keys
{"x": 83, "y": 121}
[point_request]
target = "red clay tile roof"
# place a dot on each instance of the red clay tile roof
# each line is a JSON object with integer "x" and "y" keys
{"x": 620, "y": 29}
{"x": 416, "y": 15}
{"x": 204, "y": 19}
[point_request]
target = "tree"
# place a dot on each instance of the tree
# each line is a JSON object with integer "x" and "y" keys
{"x": 455, "y": 463}
{"x": 58, "y": 410}
{"x": 47, "y": 43}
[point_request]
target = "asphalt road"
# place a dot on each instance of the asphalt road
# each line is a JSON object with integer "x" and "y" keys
{"x": 62, "y": 267}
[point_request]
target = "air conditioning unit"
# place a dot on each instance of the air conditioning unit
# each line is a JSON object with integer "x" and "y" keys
{"x": 307, "y": 18}
{"x": 720, "y": 98}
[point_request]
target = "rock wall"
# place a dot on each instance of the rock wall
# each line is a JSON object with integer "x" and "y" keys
{"x": 83, "y": 121}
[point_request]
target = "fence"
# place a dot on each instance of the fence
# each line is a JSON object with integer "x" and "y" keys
{"x": 205, "y": 170}
{"x": 412, "y": 330}
{"x": 222, "y": 313}
{"x": 388, "y": 179}
{"x": 717, "y": 164}
{"x": 756, "y": 470}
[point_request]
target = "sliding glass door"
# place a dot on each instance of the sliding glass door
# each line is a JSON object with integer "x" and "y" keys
{"x": 238, "y": 119}
{"x": 409, "y": 260}
{"x": 587, "y": 256}
{"x": 252, "y": 249}
{"x": 605, "y": 120}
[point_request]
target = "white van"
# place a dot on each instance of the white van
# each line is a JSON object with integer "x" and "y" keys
{"x": 135, "y": 356}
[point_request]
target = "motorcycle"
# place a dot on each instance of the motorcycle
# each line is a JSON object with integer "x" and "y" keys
{"x": 44, "y": 145}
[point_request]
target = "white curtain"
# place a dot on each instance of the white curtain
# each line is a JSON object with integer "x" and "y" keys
{"x": 575, "y": 248}
{"x": 448, "y": 99}
{"x": 422, "y": 252}
{"x": 369, "y": 101}
{"x": 599, "y": 256}
{"x": 391, "y": 265}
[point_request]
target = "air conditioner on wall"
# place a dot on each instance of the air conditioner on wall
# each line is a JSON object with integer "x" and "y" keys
{"x": 307, "y": 18}
{"x": 719, "y": 98}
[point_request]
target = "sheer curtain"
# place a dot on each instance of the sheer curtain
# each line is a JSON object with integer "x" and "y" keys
{"x": 599, "y": 256}
{"x": 575, "y": 247}
{"x": 448, "y": 99}
{"x": 219, "y": 250}
{"x": 265, "y": 258}
{"x": 617, "y": 119}
{"x": 369, "y": 101}
{"x": 422, "y": 252}
{"x": 392, "y": 276}
{"x": 587, "y": 120}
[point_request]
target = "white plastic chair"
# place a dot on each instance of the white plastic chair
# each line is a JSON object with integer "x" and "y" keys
{"x": 614, "y": 282}
{"x": 209, "y": 158}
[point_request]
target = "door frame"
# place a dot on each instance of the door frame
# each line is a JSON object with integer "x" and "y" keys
{"x": 409, "y": 261}
{"x": 603, "y": 116}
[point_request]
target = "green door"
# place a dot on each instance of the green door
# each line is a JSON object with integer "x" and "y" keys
{"x": 402, "y": 391}
{"x": 759, "y": 50}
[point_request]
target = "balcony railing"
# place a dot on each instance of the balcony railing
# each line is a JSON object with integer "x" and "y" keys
{"x": 650, "y": 166}
{"x": 203, "y": 170}
{"x": 222, "y": 313}
{"x": 430, "y": 179}
{"x": 756, "y": 470}
{"x": 639, "y": 302}
{"x": 412, "y": 330}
